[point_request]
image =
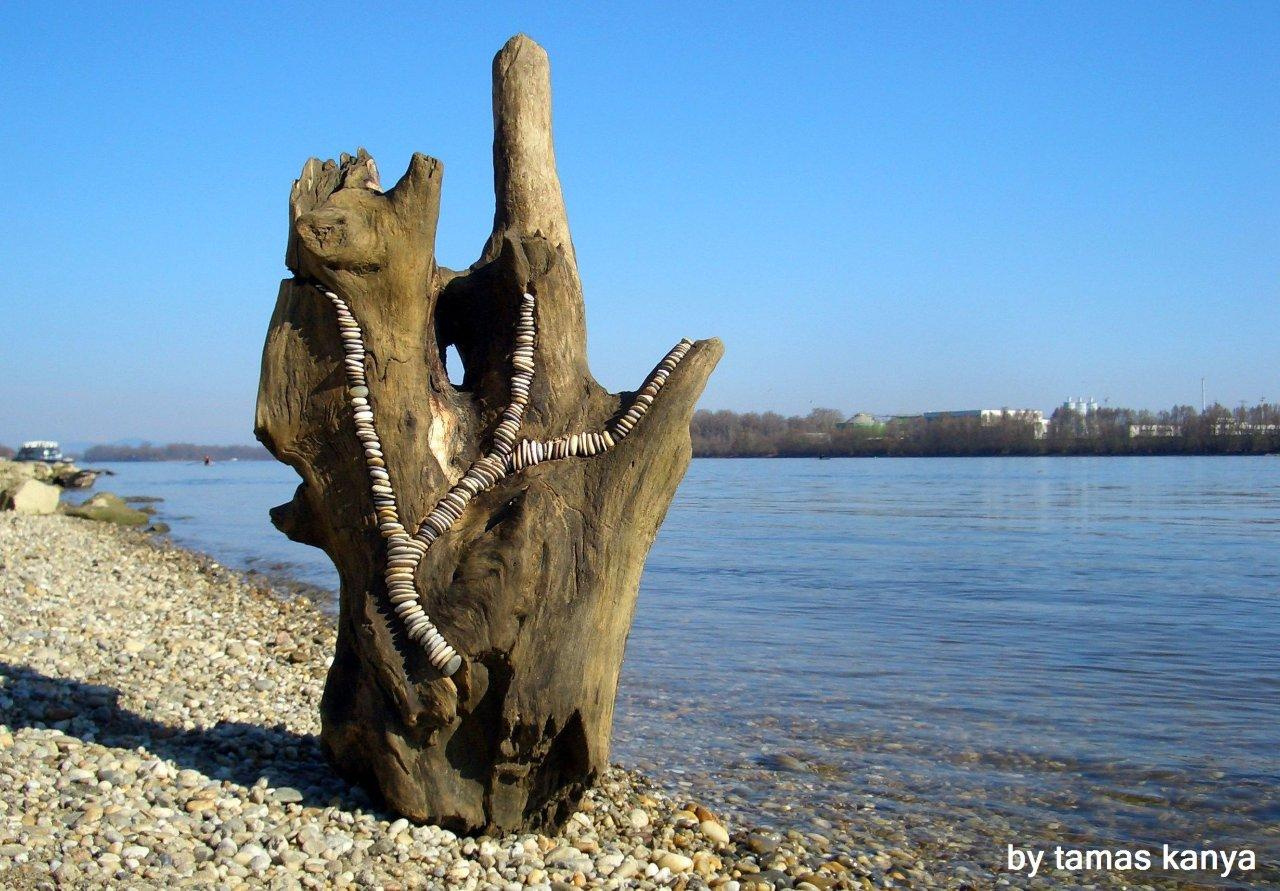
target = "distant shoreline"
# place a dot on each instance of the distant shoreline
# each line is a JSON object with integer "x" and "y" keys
{"x": 820, "y": 457}
{"x": 815, "y": 457}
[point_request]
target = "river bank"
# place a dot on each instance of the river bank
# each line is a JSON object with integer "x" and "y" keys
{"x": 159, "y": 729}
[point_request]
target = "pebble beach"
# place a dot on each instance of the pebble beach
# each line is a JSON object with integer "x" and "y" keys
{"x": 158, "y": 728}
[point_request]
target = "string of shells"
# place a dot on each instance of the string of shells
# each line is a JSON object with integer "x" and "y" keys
{"x": 507, "y": 455}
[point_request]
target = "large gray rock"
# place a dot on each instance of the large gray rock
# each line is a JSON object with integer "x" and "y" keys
{"x": 12, "y": 472}
{"x": 75, "y": 478}
{"x": 108, "y": 508}
{"x": 30, "y": 497}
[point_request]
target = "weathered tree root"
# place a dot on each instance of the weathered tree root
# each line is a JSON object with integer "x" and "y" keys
{"x": 477, "y": 657}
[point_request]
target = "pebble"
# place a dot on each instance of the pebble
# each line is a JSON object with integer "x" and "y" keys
{"x": 714, "y": 831}
{"x": 675, "y": 862}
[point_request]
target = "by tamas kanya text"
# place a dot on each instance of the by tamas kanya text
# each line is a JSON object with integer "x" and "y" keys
{"x": 1169, "y": 858}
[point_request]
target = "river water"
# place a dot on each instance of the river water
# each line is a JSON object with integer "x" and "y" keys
{"x": 959, "y": 653}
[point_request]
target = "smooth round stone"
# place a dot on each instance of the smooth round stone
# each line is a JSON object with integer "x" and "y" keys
{"x": 359, "y": 391}
{"x": 452, "y": 666}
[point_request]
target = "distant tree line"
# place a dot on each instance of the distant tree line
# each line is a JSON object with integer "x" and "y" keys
{"x": 1105, "y": 431}
{"x": 175, "y": 451}
{"x": 6, "y": 452}
{"x": 824, "y": 432}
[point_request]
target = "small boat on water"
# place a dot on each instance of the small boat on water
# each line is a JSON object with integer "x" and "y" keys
{"x": 39, "y": 450}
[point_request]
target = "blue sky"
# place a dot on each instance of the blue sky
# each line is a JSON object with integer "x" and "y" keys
{"x": 889, "y": 207}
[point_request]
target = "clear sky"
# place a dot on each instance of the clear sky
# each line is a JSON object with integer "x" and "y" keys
{"x": 883, "y": 207}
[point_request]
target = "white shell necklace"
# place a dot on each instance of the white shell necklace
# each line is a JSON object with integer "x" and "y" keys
{"x": 506, "y": 456}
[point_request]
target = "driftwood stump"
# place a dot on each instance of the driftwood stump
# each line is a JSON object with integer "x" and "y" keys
{"x": 535, "y": 582}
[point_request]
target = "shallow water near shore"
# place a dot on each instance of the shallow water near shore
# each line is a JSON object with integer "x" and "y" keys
{"x": 969, "y": 652}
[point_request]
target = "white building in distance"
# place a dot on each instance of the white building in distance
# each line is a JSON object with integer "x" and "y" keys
{"x": 989, "y": 416}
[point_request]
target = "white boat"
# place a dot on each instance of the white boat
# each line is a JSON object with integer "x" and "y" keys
{"x": 39, "y": 450}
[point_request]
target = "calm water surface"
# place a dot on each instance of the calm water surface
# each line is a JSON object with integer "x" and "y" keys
{"x": 1026, "y": 649}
